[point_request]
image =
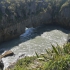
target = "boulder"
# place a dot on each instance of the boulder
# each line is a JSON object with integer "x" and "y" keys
{"x": 7, "y": 53}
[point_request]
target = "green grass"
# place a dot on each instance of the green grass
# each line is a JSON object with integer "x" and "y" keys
{"x": 56, "y": 59}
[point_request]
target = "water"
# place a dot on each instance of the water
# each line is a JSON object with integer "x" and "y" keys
{"x": 34, "y": 40}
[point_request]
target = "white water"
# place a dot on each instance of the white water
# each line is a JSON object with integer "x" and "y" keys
{"x": 33, "y": 40}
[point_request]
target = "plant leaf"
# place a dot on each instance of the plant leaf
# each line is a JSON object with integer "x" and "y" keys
{"x": 55, "y": 50}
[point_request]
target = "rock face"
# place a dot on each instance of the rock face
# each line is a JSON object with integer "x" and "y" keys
{"x": 11, "y": 32}
{"x": 64, "y": 15}
{"x": 1, "y": 65}
{"x": 16, "y": 15}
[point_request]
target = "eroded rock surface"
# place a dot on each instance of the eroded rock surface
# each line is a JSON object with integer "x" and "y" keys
{"x": 16, "y": 15}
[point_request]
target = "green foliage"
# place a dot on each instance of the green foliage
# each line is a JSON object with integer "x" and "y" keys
{"x": 21, "y": 10}
{"x": 59, "y": 63}
{"x": 56, "y": 59}
{"x": 23, "y": 64}
{"x": 67, "y": 48}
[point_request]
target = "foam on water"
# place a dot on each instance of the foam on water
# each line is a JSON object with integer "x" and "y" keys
{"x": 28, "y": 32}
{"x": 34, "y": 40}
{"x": 10, "y": 60}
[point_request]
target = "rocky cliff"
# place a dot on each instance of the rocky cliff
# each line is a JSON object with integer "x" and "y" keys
{"x": 15, "y": 15}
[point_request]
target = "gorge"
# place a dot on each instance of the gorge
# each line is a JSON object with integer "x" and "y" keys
{"x": 16, "y": 15}
{"x": 29, "y": 26}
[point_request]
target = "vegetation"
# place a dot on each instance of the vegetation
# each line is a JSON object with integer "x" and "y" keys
{"x": 21, "y": 9}
{"x": 13, "y": 11}
{"x": 56, "y": 59}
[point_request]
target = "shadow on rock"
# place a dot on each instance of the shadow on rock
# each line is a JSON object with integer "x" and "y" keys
{"x": 1, "y": 65}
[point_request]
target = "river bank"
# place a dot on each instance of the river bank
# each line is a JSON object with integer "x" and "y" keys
{"x": 34, "y": 40}
{"x": 57, "y": 58}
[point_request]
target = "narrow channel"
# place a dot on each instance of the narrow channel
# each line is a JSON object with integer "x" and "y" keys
{"x": 34, "y": 40}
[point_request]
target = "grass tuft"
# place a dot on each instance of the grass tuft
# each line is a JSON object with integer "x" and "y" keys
{"x": 56, "y": 59}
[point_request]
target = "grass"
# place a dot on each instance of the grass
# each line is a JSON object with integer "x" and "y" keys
{"x": 56, "y": 59}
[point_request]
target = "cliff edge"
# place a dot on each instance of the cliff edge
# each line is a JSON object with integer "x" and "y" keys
{"x": 16, "y": 15}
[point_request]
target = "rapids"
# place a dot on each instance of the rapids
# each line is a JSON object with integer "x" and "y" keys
{"x": 34, "y": 40}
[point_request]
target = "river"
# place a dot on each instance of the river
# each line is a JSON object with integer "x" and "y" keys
{"x": 34, "y": 40}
